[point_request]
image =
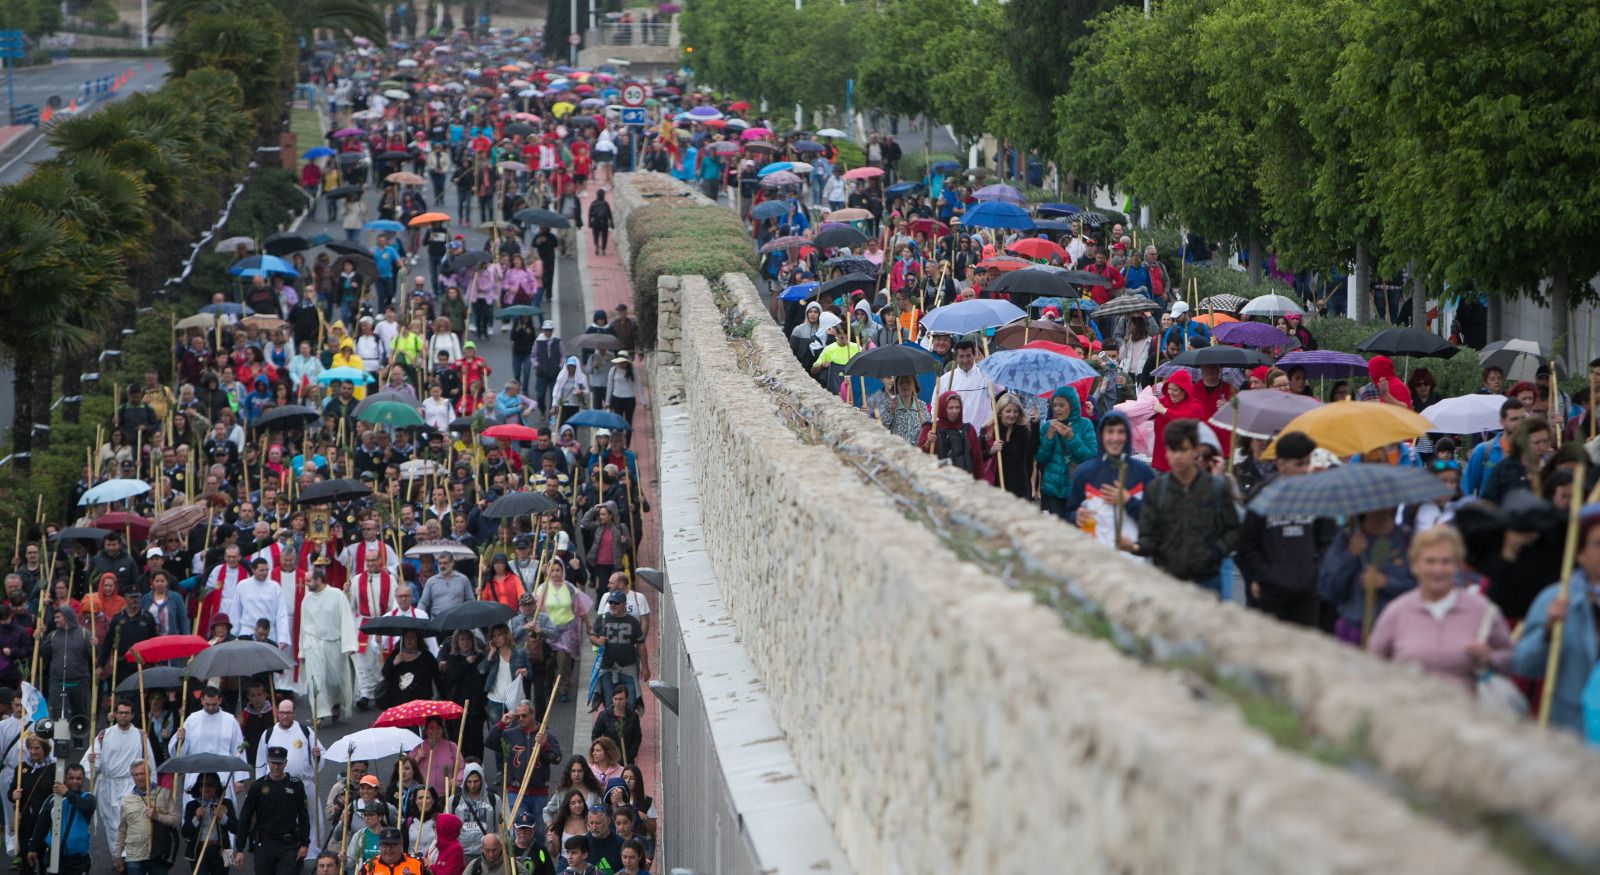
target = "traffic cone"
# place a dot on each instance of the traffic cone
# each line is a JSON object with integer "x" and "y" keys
{"x": 46, "y": 115}
{"x": 72, "y": 105}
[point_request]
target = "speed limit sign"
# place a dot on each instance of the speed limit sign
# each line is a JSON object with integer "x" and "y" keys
{"x": 633, "y": 94}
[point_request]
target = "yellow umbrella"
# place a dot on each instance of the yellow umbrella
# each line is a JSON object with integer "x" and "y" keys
{"x": 561, "y": 109}
{"x": 1348, "y": 428}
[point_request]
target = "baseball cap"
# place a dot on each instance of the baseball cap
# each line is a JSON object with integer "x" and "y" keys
{"x": 602, "y": 432}
{"x": 277, "y": 754}
{"x": 389, "y": 836}
{"x": 471, "y": 344}
{"x": 572, "y": 359}
{"x": 370, "y": 781}
{"x": 525, "y": 599}
{"x": 617, "y": 598}
{"x": 525, "y": 820}
{"x": 153, "y": 552}
{"x": 1179, "y": 308}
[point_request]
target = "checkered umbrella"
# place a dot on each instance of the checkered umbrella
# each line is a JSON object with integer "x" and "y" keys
{"x": 1349, "y": 489}
{"x": 417, "y": 713}
{"x": 1223, "y": 303}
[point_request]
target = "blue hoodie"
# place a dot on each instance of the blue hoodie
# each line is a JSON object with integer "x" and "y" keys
{"x": 1057, "y": 455}
{"x": 1102, "y": 471}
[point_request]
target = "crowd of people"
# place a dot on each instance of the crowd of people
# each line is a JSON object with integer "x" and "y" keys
{"x": 1085, "y": 376}
{"x": 328, "y": 457}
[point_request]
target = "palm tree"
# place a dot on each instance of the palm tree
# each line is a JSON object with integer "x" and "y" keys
{"x": 254, "y": 49}
{"x": 346, "y": 18}
{"x": 56, "y": 291}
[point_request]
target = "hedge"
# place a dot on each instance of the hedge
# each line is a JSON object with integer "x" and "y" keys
{"x": 1457, "y": 375}
{"x": 676, "y": 237}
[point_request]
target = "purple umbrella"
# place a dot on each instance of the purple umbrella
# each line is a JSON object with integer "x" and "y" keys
{"x": 1323, "y": 364}
{"x": 349, "y": 132}
{"x": 789, "y": 242}
{"x": 1000, "y": 192}
{"x": 1261, "y": 413}
{"x": 706, "y": 112}
{"x": 781, "y": 178}
{"x": 1254, "y": 334}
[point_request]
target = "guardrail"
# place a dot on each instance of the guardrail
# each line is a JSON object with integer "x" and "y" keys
{"x": 630, "y": 33}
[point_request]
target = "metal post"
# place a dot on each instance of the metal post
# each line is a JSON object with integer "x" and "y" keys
{"x": 572, "y": 27}
{"x": 144, "y": 24}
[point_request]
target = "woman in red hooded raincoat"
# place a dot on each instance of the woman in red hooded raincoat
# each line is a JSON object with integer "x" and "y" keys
{"x": 1180, "y": 403}
{"x": 953, "y": 439}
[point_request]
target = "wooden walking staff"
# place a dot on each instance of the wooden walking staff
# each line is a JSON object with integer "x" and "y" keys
{"x": 1569, "y": 556}
{"x": 994, "y": 414}
{"x": 455, "y": 769}
{"x": 538, "y": 748}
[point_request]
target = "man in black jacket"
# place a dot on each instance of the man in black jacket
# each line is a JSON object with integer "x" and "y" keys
{"x": 1279, "y": 556}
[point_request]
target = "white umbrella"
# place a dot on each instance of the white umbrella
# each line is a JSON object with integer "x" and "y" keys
{"x": 1272, "y": 305}
{"x": 1465, "y": 414}
{"x": 396, "y": 94}
{"x": 831, "y": 132}
{"x": 114, "y": 490}
{"x": 372, "y": 744}
{"x": 406, "y": 62}
{"x": 229, "y": 244}
{"x": 1518, "y": 359}
{"x": 441, "y": 548}
{"x": 414, "y": 468}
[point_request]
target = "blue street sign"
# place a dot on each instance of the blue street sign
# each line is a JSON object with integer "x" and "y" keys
{"x": 11, "y": 44}
{"x": 633, "y": 116}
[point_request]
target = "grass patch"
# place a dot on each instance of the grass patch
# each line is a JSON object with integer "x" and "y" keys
{"x": 306, "y": 123}
{"x": 677, "y": 237}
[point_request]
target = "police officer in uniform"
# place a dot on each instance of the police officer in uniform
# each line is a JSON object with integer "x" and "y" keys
{"x": 274, "y": 822}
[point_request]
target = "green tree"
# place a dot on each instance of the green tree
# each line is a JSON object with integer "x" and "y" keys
{"x": 898, "y": 66}
{"x": 1477, "y": 133}
{"x": 346, "y": 18}
{"x": 253, "y": 49}
{"x": 35, "y": 18}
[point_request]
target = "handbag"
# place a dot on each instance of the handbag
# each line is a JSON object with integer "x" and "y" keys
{"x": 1495, "y": 690}
{"x": 163, "y": 843}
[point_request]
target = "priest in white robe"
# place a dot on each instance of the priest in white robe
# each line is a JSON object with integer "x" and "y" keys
{"x": 967, "y": 380}
{"x": 371, "y": 594}
{"x": 354, "y": 556}
{"x": 109, "y": 764}
{"x": 258, "y": 597}
{"x": 327, "y": 643}
{"x": 211, "y": 730}
{"x": 304, "y": 756}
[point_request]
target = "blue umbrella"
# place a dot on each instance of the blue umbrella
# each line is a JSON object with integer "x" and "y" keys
{"x": 317, "y": 152}
{"x": 798, "y": 292}
{"x": 226, "y": 309}
{"x": 342, "y": 373}
{"x": 383, "y": 225}
{"x": 598, "y": 419}
{"x": 1035, "y": 371}
{"x": 900, "y": 189}
{"x": 1056, "y": 225}
{"x": 997, "y": 214}
{"x": 114, "y": 490}
{"x": 260, "y": 265}
{"x": 944, "y": 166}
{"x": 965, "y": 317}
{"x": 775, "y": 167}
{"x": 807, "y": 146}
{"x": 1058, "y": 209}
{"x": 319, "y": 239}
{"x": 769, "y": 210}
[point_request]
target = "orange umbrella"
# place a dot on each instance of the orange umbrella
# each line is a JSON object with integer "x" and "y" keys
{"x": 1214, "y": 319}
{"x": 428, "y": 219}
{"x": 1347, "y": 428}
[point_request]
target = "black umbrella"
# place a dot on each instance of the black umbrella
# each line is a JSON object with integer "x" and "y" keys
{"x": 848, "y": 283}
{"x": 893, "y": 361}
{"x": 397, "y": 625}
{"x": 547, "y": 218}
{"x": 471, "y": 259}
{"x": 80, "y": 533}
{"x": 1039, "y": 283}
{"x": 285, "y": 244}
{"x": 596, "y": 340}
{"x": 343, "y": 190}
{"x": 1407, "y": 341}
{"x": 1085, "y": 278}
{"x": 838, "y": 235}
{"x": 518, "y": 504}
{"x": 238, "y": 658}
{"x": 330, "y": 491}
{"x": 465, "y": 423}
{"x": 287, "y": 416}
{"x": 850, "y": 264}
{"x": 345, "y": 247}
{"x": 396, "y": 155}
{"x": 806, "y": 146}
{"x": 162, "y": 677}
{"x": 580, "y": 121}
{"x": 1223, "y": 356}
{"x": 349, "y": 158}
{"x": 471, "y": 615}
{"x": 201, "y": 763}
{"x": 521, "y": 129}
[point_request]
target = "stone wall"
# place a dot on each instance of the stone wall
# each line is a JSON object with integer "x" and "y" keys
{"x": 946, "y": 718}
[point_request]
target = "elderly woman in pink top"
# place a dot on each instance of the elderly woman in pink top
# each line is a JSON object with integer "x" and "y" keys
{"x": 1449, "y": 631}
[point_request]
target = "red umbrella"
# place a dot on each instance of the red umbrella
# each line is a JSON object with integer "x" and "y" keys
{"x": 739, "y": 106}
{"x": 1058, "y": 348}
{"x": 512, "y": 432}
{"x": 863, "y": 173}
{"x": 135, "y": 527}
{"x": 1003, "y": 263}
{"x": 931, "y": 227}
{"x": 1037, "y": 247}
{"x": 417, "y": 713}
{"x": 164, "y": 647}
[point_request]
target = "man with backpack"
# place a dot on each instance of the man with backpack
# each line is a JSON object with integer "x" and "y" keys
{"x": 1187, "y": 524}
{"x": 548, "y": 356}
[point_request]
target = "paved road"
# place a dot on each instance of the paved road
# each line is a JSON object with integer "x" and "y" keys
{"x": 36, "y": 85}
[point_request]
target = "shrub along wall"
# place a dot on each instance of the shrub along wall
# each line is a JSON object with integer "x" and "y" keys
{"x": 669, "y": 234}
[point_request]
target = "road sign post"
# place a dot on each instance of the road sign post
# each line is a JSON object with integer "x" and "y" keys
{"x": 632, "y": 115}
{"x": 633, "y": 94}
{"x": 11, "y": 48}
